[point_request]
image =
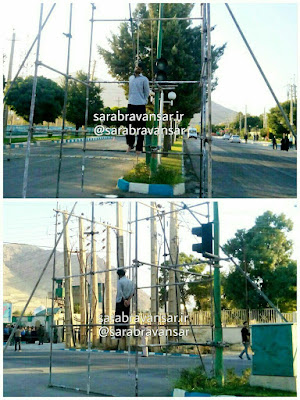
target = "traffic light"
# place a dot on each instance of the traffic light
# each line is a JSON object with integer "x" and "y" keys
{"x": 160, "y": 69}
{"x": 204, "y": 231}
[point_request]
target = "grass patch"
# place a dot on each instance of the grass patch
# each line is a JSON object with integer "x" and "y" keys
{"x": 168, "y": 172}
{"x": 195, "y": 380}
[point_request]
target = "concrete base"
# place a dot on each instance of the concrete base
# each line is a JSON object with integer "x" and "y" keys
{"x": 288, "y": 383}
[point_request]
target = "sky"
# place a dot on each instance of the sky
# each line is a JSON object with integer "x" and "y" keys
{"x": 33, "y": 222}
{"x": 270, "y": 28}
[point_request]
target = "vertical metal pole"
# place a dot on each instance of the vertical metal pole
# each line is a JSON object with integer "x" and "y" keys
{"x": 108, "y": 291}
{"x": 160, "y": 139}
{"x": 87, "y": 97}
{"x": 120, "y": 235}
{"x": 82, "y": 266}
{"x": 32, "y": 106}
{"x": 52, "y": 301}
{"x": 136, "y": 301}
{"x": 69, "y": 36}
{"x": 209, "y": 76}
{"x": 11, "y": 58}
{"x": 154, "y": 139}
{"x": 88, "y": 386}
{"x": 95, "y": 297}
{"x": 27, "y": 54}
{"x": 219, "y": 372}
{"x": 133, "y": 42}
{"x": 203, "y": 98}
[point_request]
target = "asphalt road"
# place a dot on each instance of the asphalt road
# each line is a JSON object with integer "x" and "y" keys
{"x": 26, "y": 374}
{"x": 102, "y": 169}
{"x": 249, "y": 170}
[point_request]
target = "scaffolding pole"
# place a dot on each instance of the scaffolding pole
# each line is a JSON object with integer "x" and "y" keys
{"x": 32, "y": 106}
{"x": 64, "y": 113}
{"x": 87, "y": 98}
{"x": 27, "y": 54}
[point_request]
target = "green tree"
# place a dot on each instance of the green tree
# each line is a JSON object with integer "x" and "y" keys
{"x": 264, "y": 252}
{"x": 77, "y": 99}
{"x": 48, "y": 103}
{"x": 200, "y": 292}
{"x": 276, "y": 121}
{"x": 181, "y": 47}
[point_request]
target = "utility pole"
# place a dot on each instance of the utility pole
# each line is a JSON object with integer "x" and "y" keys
{"x": 120, "y": 236}
{"x": 291, "y": 103}
{"x": 240, "y": 124}
{"x": 68, "y": 284}
{"x": 9, "y": 75}
{"x": 209, "y": 77}
{"x": 154, "y": 139}
{"x": 174, "y": 294}
{"x": 95, "y": 296}
{"x": 108, "y": 302}
{"x": 82, "y": 266}
{"x": 219, "y": 370}
{"x": 154, "y": 270}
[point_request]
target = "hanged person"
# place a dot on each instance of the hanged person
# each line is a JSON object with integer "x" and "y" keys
{"x": 137, "y": 100}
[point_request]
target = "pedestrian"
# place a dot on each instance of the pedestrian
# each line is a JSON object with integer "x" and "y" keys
{"x": 41, "y": 333}
{"x": 125, "y": 291}
{"x": 137, "y": 100}
{"x": 274, "y": 142}
{"x": 246, "y": 340}
{"x": 246, "y": 137}
{"x": 287, "y": 143}
{"x": 18, "y": 334}
{"x": 282, "y": 143}
{"x": 55, "y": 334}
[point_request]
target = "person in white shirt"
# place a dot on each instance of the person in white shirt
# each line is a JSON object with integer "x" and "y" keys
{"x": 125, "y": 291}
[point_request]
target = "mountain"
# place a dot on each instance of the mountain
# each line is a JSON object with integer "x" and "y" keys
{"x": 219, "y": 115}
{"x": 22, "y": 265}
{"x": 113, "y": 96}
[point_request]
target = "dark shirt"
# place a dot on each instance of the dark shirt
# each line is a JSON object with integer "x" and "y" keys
{"x": 245, "y": 334}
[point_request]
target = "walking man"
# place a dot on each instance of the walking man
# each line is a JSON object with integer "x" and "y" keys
{"x": 274, "y": 142}
{"x": 137, "y": 100}
{"x": 246, "y": 340}
{"x": 125, "y": 291}
{"x": 18, "y": 334}
{"x": 41, "y": 333}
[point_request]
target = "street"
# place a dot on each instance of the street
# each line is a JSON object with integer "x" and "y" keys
{"x": 248, "y": 170}
{"x": 239, "y": 170}
{"x": 111, "y": 373}
{"x": 102, "y": 169}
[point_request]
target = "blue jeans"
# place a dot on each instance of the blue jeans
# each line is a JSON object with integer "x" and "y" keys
{"x": 246, "y": 345}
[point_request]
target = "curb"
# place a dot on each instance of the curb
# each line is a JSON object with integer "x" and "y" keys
{"x": 184, "y": 393}
{"x": 51, "y": 142}
{"x": 151, "y": 188}
{"x": 132, "y": 352}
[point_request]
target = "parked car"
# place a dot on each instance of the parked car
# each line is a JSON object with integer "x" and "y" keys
{"x": 226, "y": 136}
{"x": 235, "y": 139}
{"x": 192, "y": 133}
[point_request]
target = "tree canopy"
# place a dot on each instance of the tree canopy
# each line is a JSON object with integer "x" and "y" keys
{"x": 276, "y": 121}
{"x": 264, "y": 251}
{"x": 48, "y": 103}
{"x": 181, "y": 46}
{"x": 77, "y": 99}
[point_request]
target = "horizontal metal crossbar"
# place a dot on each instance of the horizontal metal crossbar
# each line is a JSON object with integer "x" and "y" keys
{"x": 145, "y": 19}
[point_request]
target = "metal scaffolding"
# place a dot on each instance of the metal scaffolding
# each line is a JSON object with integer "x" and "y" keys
{"x": 134, "y": 265}
{"x": 87, "y": 83}
{"x": 205, "y": 80}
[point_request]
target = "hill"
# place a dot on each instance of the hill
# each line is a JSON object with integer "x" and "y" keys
{"x": 22, "y": 265}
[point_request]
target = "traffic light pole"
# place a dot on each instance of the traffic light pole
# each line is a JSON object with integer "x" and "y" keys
{"x": 154, "y": 138}
{"x": 219, "y": 372}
